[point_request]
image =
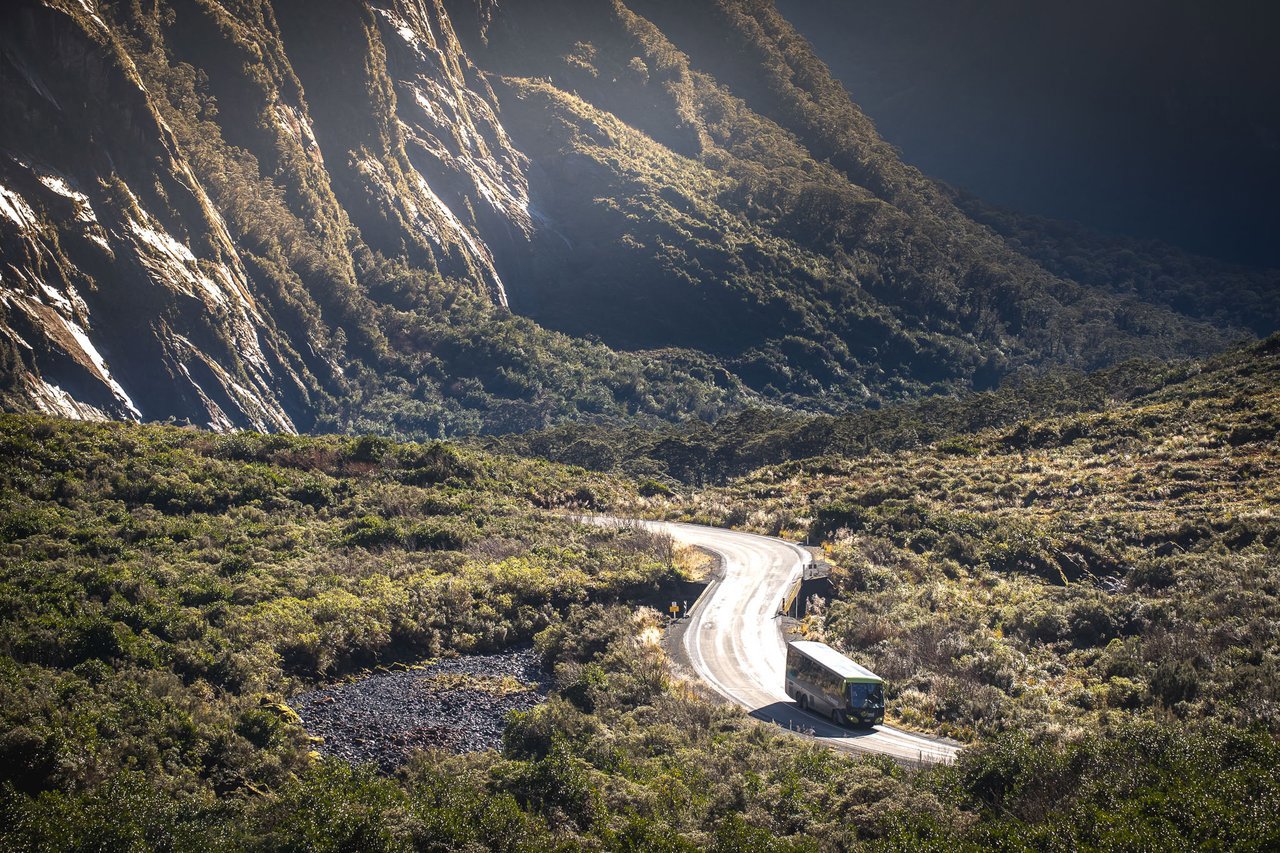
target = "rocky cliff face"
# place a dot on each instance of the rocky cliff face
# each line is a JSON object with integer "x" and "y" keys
{"x": 420, "y": 159}
{"x": 125, "y": 292}
{"x": 314, "y": 214}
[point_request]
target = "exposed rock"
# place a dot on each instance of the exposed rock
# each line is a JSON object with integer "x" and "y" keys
{"x": 125, "y": 294}
{"x": 122, "y": 293}
{"x": 457, "y": 705}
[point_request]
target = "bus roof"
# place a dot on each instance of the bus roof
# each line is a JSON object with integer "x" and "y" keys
{"x": 836, "y": 662}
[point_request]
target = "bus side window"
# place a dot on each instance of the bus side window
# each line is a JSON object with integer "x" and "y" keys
{"x": 817, "y": 676}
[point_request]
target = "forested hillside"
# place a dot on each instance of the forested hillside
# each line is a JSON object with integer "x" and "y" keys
{"x": 703, "y": 454}
{"x": 424, "y": 218}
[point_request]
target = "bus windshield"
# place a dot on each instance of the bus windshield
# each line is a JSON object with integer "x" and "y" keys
{"x": 866, "y": 696}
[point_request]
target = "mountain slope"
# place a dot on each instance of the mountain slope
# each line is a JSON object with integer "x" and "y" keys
{"x": 870, "y": 276}
{"x": 322, "y": 215}
{"x": 89, "y": 246}
{"x": 352, "y": 236}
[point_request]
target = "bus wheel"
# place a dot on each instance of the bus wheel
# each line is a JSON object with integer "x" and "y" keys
{"x": 837, "y": 716}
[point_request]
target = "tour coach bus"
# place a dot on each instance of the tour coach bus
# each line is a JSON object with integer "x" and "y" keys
{"x": 826, "y": 682}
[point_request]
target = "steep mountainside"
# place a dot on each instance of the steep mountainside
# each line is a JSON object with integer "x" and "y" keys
{"x": 187, "y": 234}
{"x": 300, "y": 215}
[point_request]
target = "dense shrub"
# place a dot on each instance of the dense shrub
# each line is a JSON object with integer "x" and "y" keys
{"x": 1070, "y": 570}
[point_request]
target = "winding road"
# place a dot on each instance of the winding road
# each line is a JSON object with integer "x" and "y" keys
{"x": 734, "y": 642}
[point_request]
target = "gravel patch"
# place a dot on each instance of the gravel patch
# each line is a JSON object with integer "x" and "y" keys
{"x": 457, "y": 705}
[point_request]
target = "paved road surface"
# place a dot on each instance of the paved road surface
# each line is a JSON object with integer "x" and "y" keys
{"x": 735, "y": 644}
